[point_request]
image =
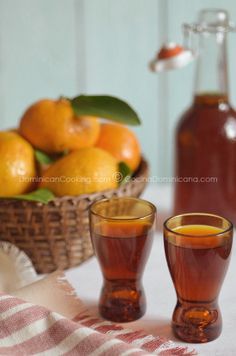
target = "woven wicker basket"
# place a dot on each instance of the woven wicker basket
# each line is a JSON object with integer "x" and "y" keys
{"x": 57, "y": 235}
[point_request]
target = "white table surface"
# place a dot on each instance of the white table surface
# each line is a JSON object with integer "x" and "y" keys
{"x": 160, "y": 293}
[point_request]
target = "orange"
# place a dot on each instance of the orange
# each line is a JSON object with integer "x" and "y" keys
{"x": 52, "y": 126}
{"x": 121, "y": 142}
{"x": 84, "y": 171}
{"x": 17, "y": 164}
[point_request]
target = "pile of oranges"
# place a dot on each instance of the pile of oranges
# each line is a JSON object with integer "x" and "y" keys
{"x": 84, "y": 152}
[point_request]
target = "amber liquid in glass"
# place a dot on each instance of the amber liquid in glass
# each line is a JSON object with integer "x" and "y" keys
{"x": 198, "y": 266}
{"x": 122, "y": 250}
{"x": 206, "y": 149}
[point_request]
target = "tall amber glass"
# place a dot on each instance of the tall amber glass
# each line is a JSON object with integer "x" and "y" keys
{"x": 198, "y": 248}
{"x": 122, "y": 233}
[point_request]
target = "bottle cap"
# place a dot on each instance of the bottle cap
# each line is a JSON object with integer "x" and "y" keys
{"x": 171, "y": 56}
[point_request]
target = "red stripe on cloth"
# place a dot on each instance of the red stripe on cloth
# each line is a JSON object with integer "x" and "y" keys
{"x": 21, "y": 319}
{"x": 116, "y": 350}
{"x": 106, "y": 328}
{"x": 132, "y": 336}
{"x": 96, "y": 340}
{"x": 91, "y": 321}
{"x": 7, "y": 304}
{"x": 16, "y": 352}
{"x": 177, "y": 351}
{"x": 63, "y": 328}
{"x": 88, "y": 344}
{"x": 154, "y": 344}
{"x": 44, "y": 340}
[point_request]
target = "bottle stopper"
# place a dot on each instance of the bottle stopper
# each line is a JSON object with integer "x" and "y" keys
{"x": 171, "y": 56}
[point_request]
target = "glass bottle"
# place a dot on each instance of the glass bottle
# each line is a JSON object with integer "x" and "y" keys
{"x": 206, "y": 133}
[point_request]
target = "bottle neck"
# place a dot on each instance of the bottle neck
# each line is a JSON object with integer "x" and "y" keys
{"x": 211, "y": 74}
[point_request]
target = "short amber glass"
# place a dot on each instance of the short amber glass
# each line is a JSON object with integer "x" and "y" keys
{"x": 122, "y": 233}
{"x": 197, "y": 248}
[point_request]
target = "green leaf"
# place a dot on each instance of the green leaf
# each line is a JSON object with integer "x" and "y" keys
{"x": 106, "y": 107}
{"x": 125, "y": 172}
{"x": 42, "y": 195}
{"x": 43, "y": 157}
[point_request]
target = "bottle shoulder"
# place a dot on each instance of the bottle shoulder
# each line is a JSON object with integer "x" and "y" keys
{"x": 204, "y": 116}
{"x": 208, "y": 124}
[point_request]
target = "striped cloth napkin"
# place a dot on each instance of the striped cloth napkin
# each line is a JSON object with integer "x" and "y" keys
{"x": 30, "y": 329}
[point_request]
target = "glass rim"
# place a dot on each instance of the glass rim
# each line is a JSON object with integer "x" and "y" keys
{"x": 198, "y": 214}
{"x": 104, "y": 200}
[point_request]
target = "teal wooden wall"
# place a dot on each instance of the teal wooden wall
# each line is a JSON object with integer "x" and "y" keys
{"x": 50, "y": 48}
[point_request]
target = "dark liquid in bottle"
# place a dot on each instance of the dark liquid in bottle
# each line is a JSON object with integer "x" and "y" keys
{"x": 122, "y": 251}
{"x": 206, "y": 158}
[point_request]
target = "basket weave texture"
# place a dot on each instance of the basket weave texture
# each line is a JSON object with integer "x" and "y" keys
{"x": 56, "y": 235}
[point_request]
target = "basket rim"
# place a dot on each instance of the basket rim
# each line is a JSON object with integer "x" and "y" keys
{"x": 142, "y": 171}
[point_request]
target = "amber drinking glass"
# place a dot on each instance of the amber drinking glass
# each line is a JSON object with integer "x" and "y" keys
{"x": 198, "y": 248}
{"x": 122, "y": 233}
